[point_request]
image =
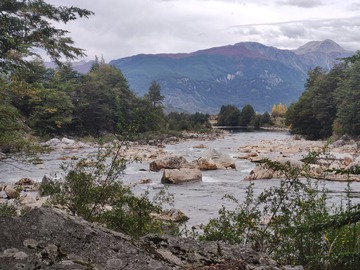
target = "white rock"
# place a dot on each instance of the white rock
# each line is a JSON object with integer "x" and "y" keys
{"x": 53, "y": 142}
{"x": 67, "y": 141}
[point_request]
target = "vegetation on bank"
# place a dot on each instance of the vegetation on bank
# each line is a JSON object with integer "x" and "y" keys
{"x": 294, "y": 222}
{"x": 92, "y": 189}
{"x": 230, "y": 115}
{"x": 330, "y": 103}
{"x": 64, "y": 102}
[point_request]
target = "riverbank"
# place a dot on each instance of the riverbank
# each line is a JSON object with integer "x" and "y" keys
{"x": 325, "y": 159}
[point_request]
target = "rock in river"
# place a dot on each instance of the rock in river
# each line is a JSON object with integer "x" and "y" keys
{"x": 179, "y": 176}
{"x": 222, "y": 160}
{"x": 170, "y": 162}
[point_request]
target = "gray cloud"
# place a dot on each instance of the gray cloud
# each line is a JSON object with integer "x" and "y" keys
{"x": 293, "y": 34}
{"x": 124, "y": 28}
{"x": 354, "y": 6}
{"x": 301, "y": 3}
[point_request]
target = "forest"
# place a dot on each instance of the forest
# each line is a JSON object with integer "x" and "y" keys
{"x": 54, "y": 102}
{"x": 330, "y": 103}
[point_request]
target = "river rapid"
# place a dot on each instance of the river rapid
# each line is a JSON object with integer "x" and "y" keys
{"x": 200, "y": 201}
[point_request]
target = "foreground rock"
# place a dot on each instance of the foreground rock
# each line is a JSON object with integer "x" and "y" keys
{"x": 47, "y": 238}
{"x": 180, "y": 176}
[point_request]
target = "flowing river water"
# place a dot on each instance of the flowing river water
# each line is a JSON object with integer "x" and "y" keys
{"x": 200, "y": 201}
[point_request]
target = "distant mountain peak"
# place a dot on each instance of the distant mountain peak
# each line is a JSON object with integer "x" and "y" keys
{"x": 239, "y": 74}
{"x": 324, "y": 46}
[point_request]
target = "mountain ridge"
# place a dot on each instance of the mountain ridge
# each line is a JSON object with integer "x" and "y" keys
{"x": 239, "y": 74}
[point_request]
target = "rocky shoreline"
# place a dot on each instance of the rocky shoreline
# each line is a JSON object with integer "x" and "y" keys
{"x": 325, "y": 159}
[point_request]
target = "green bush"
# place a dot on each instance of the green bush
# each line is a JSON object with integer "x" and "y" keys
{"x": 293, "y": 222}
{"x": 93, "y": 190}
{"x": 7, "y": 210}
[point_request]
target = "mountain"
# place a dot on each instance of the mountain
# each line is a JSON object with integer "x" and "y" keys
{"x": 239, "y": 74}
{"x": 326, "y": 46}
{"x": 80, "y": 66}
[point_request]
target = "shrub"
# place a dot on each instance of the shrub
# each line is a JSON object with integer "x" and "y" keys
{"x": 293, "y": 222}
{"x": 93, "y": 190}
{"x": 7, "y": 210}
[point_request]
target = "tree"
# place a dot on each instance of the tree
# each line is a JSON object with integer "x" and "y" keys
{"x": 278, "y": 110}
{"x": 154, "y": 94}
{"x": 348, "y": 93}
{"x": 247, "y": 115}
{"x": 324, "y": 102}
{"x": 314, "y": 113}
{"x": 103, "y": 102}
{"x": 26, "y": 25}
{"x": 229, "y": 115}
{"x": 51, "y": 111}
{"x": 265, "y": 119}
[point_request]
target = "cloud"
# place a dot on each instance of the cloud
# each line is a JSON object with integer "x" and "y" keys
{"x": 301, "y": 3}
{"x": 124, "y": 28}
{"x": 354, "y": 6}
{"x": 296, "y": 33}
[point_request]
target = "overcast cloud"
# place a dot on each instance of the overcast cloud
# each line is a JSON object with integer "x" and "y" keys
{"x": 123, "y": 28}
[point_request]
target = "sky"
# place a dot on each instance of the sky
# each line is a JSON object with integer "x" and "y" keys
{"x": 122, "y": 28}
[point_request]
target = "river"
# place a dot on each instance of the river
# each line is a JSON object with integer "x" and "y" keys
{"x": 200, "y": 201}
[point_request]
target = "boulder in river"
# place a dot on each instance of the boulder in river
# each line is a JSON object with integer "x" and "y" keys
{"x": 222, "y": 160}
{"x": 182, "y": 175}
{"x": 170, "y": 162}
{"x": 206, "y": 164}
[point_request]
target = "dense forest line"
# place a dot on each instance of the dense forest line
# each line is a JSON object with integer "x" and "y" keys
{"x": 53, "y": 102}
{"x": 330, "y": 103}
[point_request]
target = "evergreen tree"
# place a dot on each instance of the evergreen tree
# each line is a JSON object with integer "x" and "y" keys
{"x": 154, "y": 94}
{"x": 247, "y": 115}
{"x": 103, "y": 102}
{"x": 348, "y": 115}
{"x": 265, "y": 119}
{"x": 229, "y": 115}
{"x": 314, "y": 113}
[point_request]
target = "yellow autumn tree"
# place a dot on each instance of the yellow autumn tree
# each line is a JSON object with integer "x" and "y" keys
{"x": 278, "y": 110}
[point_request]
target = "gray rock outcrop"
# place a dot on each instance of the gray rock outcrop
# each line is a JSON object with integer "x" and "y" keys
{"x": 47, "y": 238}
